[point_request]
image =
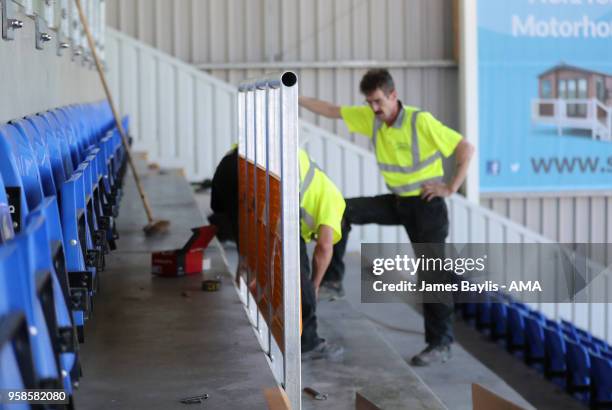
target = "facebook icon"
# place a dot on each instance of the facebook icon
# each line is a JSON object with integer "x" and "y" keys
{"x": 493, "y": 167}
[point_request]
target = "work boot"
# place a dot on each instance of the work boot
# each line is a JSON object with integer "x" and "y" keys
{"x": 331, "y": 291}
{"x": 431, "y": 355}
{"x": 324, "y": 350}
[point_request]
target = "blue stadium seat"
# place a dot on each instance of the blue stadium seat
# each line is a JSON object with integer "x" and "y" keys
{"x": 553, "y": 324}
{"x": 515, "y": 331}
{"x": 606, "y": 353}
{"x": 6, "y": 220}
{"x": 483, "y": 314}
{"x": 57, "y": 311}
{"x": 568, "y": 325}
{"x": 592, "y": 347}
{"x": 521, "y": 306}
{"x": 538, "y": 316}
{"x": 570, "y": 333}
{"x": 97, "y": 236}
{"x": 58, "y": 133}
{"x": 16, "y": 362}
{"x": 601, "y": 381}
{"x": 534, "y": 341}
{"x": 468, "y": 311}
{"x": 104, "y": 204}
{"x": 16, "y": 368}
{"x": 603, "y": 346}
{"x": 95, "y": 171}
{"x": 583, "y": 334}
{"x": 69, "y": 135}
{"x": 499, "y": 319}
{"x": 555, "y": 365}
{"x": 76, "y": 124}
{"x": 109, "y": 199}
{"x": 47, "y": 138}
{"x": 23, "y": 290}
{"x": 578, "y": 369}
{"x": 19, "y": 169}
{"x": 28, "y": 134}
{"x": 20, "y": 175}
{"x": 31, "y": 179}
{"x": 80, "y": 256}
{"x": 120, "y": 159}
{"x": 24, "y": 163}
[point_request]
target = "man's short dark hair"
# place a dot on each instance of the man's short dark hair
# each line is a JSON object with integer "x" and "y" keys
{"x": 377, "y": 78}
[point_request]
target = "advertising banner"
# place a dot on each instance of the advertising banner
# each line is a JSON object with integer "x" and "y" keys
{"x": 545, "y": 90}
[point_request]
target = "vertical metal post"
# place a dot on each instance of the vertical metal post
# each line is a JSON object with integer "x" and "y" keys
{"x": 250, "y": 114}
{"x": 270, "y": 132}
{"x": 257, "y": 127}
{"x": 242, "y": 150}
{"x": 291, "y": 236}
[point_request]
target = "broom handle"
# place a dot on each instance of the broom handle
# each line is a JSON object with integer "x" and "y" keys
{"x": 143, "y": 196}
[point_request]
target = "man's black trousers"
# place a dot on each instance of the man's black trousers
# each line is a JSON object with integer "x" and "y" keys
{"x": 310, "y": 338}
{"x": 424, "y": 222}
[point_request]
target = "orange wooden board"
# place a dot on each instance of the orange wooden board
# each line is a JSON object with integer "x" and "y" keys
{"x": 260, "y": 242}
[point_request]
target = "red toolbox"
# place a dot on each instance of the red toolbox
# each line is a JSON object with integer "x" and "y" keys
{"x": 185, "y": 261}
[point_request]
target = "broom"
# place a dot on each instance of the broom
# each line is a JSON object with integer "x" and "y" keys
{"x": 154, "y": 226}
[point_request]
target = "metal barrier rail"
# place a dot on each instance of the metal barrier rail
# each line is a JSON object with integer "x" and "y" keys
{"x": 269, "y": 253}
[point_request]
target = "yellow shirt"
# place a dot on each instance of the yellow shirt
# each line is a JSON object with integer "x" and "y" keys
{"x": 321, "y": 203}
{"x": 406, "y": 161}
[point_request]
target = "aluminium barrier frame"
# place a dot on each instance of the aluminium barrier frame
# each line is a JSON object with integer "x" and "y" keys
{"x": 269, "y": 228}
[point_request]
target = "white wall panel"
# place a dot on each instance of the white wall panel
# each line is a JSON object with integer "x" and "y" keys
{"x": 570, "y": 217}
{"x": 147, "y": 124}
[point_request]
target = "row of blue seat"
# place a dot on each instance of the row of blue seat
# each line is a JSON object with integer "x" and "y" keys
{"x": 60, "y": 186}
{"x": 567, "y": 355}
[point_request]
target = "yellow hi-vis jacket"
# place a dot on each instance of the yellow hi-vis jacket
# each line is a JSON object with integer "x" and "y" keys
{"x": 409, "y": 153}
{"x": 321, "y": 203}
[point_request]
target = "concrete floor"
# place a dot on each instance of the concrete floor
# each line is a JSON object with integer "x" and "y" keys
{"x": 153, "y": 341}
{"x": 370, "y": 366}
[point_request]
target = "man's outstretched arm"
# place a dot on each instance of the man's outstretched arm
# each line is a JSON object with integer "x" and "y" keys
{"x": 320, "y": 107}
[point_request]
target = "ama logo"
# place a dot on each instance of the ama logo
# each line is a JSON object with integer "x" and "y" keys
{"x": 525, "y": 286}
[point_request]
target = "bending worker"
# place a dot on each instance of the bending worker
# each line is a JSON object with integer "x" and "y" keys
{"x": 224, "y": 197}
{"x": 321, "y": 210}
{"x": 409, "y": 146}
